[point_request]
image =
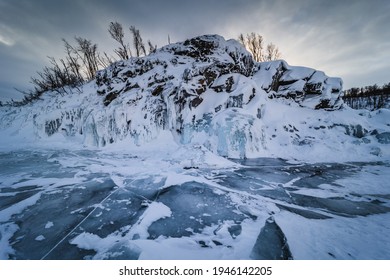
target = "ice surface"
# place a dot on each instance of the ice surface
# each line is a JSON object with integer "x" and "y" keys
{"x": 154, "y": 212}
{"x": 112, "y": 205}
{"x": 271, "y": 244}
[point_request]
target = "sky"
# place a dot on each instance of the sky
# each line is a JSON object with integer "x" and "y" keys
{"x": 347, "y": 39}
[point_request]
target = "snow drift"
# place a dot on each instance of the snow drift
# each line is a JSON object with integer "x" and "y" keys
{"x": 210, "y": 92}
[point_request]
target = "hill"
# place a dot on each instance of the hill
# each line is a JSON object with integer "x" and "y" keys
{"x": 206, "y": 91}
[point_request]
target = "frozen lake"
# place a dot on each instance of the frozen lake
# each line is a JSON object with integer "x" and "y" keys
{"x": 94, "y": 205}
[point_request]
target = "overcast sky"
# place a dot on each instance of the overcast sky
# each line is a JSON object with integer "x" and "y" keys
{"x": 348, "y": 39}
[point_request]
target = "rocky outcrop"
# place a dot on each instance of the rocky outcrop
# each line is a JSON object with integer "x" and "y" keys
{"x": 306, "y": 86}
{"x": 205, "y": 90}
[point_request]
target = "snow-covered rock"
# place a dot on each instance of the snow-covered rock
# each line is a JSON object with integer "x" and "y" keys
{"x": 306, "y": 86}
{"x": 206, "y": 91}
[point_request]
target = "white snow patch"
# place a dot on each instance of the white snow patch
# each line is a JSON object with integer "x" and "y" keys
{"x": 49, "y": 224}
{"x": 6, "y": 214}
{"x": 7, "y": 230}
{"x": 40, "y": 238}
{"x": 338, "y": 238}
{"x": 154, "y": 212}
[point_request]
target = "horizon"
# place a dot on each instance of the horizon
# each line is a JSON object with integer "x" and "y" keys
{"x": 344, "y": 39}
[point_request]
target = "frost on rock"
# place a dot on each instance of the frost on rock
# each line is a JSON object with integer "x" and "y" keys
{"x": 205, "y": 91}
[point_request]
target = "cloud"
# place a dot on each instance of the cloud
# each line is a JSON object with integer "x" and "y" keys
{"x": 6, "y": 41}
{"x": 343, "y": 38}
{"x": 6, "y": 35}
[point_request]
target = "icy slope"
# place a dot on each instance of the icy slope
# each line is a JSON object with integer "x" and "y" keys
{"x": 210, "y": 92}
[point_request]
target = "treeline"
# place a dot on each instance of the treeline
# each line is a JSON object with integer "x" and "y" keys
{"x": 83, "y": 59}
{"x": 367, "y": 91}
{"x": 369, "y": 97}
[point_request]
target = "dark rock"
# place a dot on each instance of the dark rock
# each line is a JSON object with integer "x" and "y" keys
{"x": 110, "y": 97}
{"x": 196, "y": 101}
{"x": 52, "y": 126}
{"x": 324, "y": 104}
{"x": 315, "y": 88}
{"x": 235, "y": 230}
{"x": 359, "y": 132}
{"x": 229, "y": 84}
{"x": 383, "y": 138}
{"x": 158, "y": 90}
{"x": 235, "y": 101}
{"x": 210, "y": 75}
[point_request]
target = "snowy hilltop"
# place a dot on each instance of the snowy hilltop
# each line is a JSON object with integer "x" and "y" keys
{"x": 207, "y": 92}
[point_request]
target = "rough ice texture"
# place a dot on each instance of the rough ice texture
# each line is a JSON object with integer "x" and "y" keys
{"x": 206, "y": 91}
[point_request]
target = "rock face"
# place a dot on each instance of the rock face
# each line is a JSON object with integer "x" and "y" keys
{"x": 306, "y": 86}
{"x": 205, "y": 90}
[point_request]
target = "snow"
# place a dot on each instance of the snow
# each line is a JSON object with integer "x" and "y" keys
{"x": 298, "y": 73}
{"x": 154, "y": 212}
{"x": 49, "y": 225}
{"x": 40, "y": 238}
{"x": 7, "y": 230}
{"x": 360, "y": 238}
{"x": 229, "y": 151}
{"x": 18, "y": 207}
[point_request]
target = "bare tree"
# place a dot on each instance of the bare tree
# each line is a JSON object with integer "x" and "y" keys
{"x": 152, "y": 48}
{"x": 254, "y": 43}
{"x": 272, "y": 52}
{"x": 137, "y": 41}
{"x": 72, "y": 60}
{"x": 105, "y": 60}
{"x": 79, "y": 65}
{"x": 255, "y": 46}
{"x": 87, "y": 51}
{"x": 56, "y": 77}
{"x": 116, "y": 31}
{"x": 241, "y": 39}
